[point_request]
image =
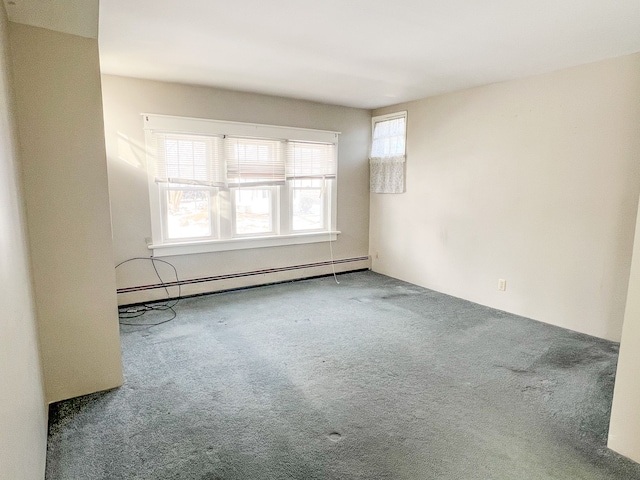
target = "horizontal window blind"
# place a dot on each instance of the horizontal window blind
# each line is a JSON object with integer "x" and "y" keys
{"x": 189, "y": 160}
{"x": 254, "y": 162}
{"x": 208, "y": 156}
{"x": 311, "y": 160}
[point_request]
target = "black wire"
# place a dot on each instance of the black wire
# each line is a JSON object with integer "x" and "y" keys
{"x": 138, "y": 324}
{"x": 126, "y": 313}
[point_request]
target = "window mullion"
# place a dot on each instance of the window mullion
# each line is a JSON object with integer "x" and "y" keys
{"x": 286, "y": 200}
{"x": 226, "y": 211}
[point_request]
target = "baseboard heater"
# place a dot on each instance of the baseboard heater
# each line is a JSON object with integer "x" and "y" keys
{"x": 228, "y": 276}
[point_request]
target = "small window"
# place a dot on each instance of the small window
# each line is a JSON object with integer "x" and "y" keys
{"x": 387, "y": 159}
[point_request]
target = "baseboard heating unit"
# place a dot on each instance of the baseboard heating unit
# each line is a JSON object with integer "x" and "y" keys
{"x": 197, "y": 286}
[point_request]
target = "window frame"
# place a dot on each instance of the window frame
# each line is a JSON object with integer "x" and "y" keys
{"x": 222, "y": 199}
{"x": 274, "y": 200}
{"x": 328, "y": 187}
{"x": 387, "y": 117}
{"x": 387, "y": 170}
{"x": 213, "y": 210}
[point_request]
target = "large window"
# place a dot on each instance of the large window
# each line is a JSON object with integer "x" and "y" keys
{"x": 222, "y": 185}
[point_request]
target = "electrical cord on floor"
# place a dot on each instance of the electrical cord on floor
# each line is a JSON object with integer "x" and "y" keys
{"x": 333, "y": 264}
{"x": 126, "y": 313}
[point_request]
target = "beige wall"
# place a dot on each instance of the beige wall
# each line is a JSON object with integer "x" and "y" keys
{"x": 60, "y": 127}
{"x": 126, "y": 98}
{"x": 23, "y": 412}
{"x": 535, "y": 181}
{"x": 624, "y": 430}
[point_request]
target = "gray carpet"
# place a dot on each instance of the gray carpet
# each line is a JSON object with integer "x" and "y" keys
{"x": 370, "y": 379}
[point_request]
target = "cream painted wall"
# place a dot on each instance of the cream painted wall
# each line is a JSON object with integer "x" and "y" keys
{"x": 534, "y": 181}
{"x": 60, "y": 128}
{"x": 126, "y": 98}
{"x": 23, "y": 410}
{"x": 624, "y": 429}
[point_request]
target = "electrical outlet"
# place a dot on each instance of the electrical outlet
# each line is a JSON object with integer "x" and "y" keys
{"x": 502, "y": 284}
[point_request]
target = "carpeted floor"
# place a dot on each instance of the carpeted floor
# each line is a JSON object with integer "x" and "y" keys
{"x": 370, "y": 379}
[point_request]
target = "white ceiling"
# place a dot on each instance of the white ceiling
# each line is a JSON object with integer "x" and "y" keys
{"x": 361, "y": 53}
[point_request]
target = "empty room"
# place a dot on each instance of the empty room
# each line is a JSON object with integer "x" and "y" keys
{"x": 319, "y": 240}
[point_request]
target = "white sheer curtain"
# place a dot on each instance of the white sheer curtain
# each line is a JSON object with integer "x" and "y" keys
{"x": 388, "y": 155}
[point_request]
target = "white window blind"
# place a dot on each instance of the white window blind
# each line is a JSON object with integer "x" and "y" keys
{"x": 310, "y": 160}
{"x": 388, "y": 153}
{"x": 189, "y": 160}
{"x": 254, "y": 162}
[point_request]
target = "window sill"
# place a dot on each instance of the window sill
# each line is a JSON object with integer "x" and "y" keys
{"x": 170, "y": 249}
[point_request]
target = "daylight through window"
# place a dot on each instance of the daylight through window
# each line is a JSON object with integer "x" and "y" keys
{"x": 215, "y": 187}
{"x": 388, "y": 153}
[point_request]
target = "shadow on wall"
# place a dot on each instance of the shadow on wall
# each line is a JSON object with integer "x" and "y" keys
{"x": 131, "y": 152}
